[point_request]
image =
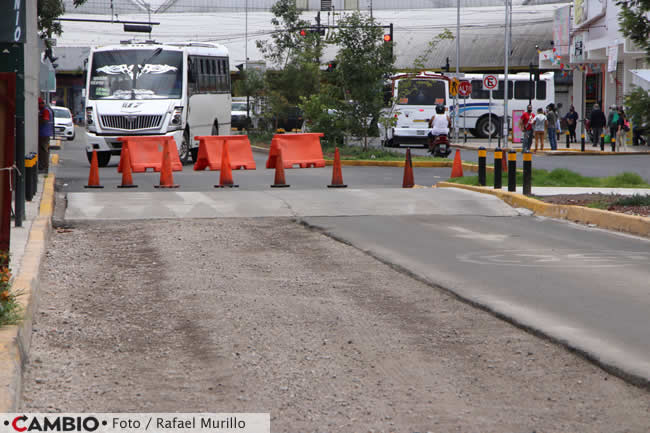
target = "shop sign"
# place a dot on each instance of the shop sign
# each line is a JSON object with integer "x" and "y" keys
{"x": 12, "y": 22}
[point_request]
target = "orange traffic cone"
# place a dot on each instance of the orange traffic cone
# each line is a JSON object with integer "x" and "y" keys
{"x": 225, "y": 177}
{"x": 279, "y": 181}
{"x": 125, "y": 162}
{"x": 93, "y": 176}
{"x": 457, "y": 168}
{"x": 166, "y": 176}
{"x": 408, "y": 181}
{"x": 337, "y": 176}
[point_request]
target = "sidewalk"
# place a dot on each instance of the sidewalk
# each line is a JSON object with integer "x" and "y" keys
{"x": 474, "y": 143}
{"x": 27, "y": 248}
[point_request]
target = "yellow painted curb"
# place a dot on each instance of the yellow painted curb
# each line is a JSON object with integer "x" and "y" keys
{"x": 55, "y": 159}
{"x": 15, "y": 340}
{"x": 637, "y": 225}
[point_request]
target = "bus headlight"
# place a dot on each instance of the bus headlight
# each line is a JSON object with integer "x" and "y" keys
{"x": 176, "y": 119}
{"x": 90, "y": 123}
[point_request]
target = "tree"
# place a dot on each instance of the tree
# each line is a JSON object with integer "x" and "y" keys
{"x": 635, "y": 25}
{"x": 286, "y": 41}
{"x": 297, "y": 55}
{"x": 364, "y": 61}
{"x": 48, "y": 11}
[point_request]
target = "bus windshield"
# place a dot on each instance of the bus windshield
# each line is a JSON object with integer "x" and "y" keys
{"x": 421, "y": 92}
{"x": 136, "y": 74}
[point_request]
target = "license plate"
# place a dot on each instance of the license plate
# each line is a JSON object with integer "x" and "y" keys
{"x": 420, "y": 132}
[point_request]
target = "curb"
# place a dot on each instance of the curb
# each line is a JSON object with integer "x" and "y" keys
{"x": 15, "y": 340}
{"x": 636, "y": 225}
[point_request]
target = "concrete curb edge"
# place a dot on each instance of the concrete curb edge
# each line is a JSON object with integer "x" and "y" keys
{"x": 636, "y": 225}
{"x": 15, "y": 340}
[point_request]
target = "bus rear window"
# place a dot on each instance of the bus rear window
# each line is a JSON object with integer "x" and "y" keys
{"x": 421, "y": 92}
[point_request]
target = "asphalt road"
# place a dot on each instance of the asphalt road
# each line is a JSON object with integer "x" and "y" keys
{"x": 74, "y": 168}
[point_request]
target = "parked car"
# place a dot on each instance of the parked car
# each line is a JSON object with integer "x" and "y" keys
{"x": 239, "y": 118}
{"x": 63, "y": 126}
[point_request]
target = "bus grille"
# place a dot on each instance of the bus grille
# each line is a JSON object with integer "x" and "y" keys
{"x": 131, "y": 122}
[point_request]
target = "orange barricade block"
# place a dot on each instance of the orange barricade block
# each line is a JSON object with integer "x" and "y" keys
{"x": 301, "y": 149}
{"x": 147, "y": 152}
{"x": 239, "y": 151}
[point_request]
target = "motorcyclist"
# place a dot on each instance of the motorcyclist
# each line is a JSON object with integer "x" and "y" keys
{"x": 440, "y": 124}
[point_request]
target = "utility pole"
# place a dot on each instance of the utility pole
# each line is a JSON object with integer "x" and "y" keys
{"x": 506, "y": 123}
{"x": 456, "y": 107}
{"x": 248, "y": 97}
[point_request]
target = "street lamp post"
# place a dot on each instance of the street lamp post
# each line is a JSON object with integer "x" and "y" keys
{"x": 456, "y": 107}
{"x": 506, "y": 122}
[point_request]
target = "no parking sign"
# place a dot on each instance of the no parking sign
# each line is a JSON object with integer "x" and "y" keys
{"x": 490, "y": 82}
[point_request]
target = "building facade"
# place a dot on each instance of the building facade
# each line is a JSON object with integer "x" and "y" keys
{"x": 588, "y": 43}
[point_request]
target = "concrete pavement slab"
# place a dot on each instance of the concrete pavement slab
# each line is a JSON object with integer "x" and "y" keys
{"x": 286, "y": 203}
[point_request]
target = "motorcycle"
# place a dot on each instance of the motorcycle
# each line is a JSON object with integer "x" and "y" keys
{"x": 439, "y": 145}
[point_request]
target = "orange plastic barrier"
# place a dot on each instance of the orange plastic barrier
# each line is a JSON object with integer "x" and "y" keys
{"x": 239, "y": 151}
{"x": 301, "y": 149}
{"x": 147, "y": 152}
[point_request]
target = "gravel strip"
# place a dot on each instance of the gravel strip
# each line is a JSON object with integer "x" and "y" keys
{"x": 263, "y": 315}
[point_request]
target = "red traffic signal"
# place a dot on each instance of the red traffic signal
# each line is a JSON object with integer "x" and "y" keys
{"x": 303, "y": 32}
{"x": 388, "y": 38}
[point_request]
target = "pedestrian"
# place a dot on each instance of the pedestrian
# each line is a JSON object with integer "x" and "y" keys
{"x": 623, "y": 127}
{"x": 612, "y": 122}
{"x": 551, "y": 118}
{"x": 526, "y": 125}
{"x": 539, "y": 126}
{"x": 597, "y": 123}
{"x": 571, "y": 119}
{"x": 45, "y": 132}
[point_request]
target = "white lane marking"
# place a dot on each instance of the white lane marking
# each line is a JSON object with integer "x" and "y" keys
{"x": 556, "y": 258}
{"x": 469, "y": 234}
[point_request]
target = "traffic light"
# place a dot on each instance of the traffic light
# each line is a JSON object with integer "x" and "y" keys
{"x": 388, "y": 38}
{"x": 331, "y": 66}
{"x": 303, "y": 32}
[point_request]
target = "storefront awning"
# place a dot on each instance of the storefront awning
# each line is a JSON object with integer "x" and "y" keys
{"x": 641, "y": 78}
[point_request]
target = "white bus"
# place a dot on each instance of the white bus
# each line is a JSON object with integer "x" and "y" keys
{"x": 176, "y": 89}
{"x": 475, "y": 112}
{"x": 415, "y": 97}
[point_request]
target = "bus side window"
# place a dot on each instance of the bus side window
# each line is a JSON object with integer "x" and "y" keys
{"x": 477, "y": 90}
{"x": 541, "y": 90}
{"x": 523, "y": 90}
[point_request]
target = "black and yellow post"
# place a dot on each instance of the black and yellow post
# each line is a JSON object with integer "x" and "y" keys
{"x": 602, "y": 142}
{"x": 613, "y": 144}
{"x": 497, "y": 168}
{"x": 528, "y": 172}
{"x": 568, "y": 140}
{"x": 482, "y": 156}
{"x": 512, "y": 171}
{"x": 582, "y": 142}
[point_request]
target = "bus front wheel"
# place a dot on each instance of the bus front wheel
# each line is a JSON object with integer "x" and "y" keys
{"x": 102, "y": 158}
{"x": 487, "y": 126}
{"x": 184, "y": 150}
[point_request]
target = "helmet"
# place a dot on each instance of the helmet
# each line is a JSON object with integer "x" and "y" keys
{"x": 440, "y": 109}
